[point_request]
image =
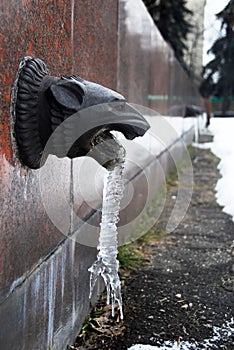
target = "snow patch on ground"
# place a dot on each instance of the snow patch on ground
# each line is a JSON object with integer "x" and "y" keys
{"x": 223, "y": 147}
{"x": 205, "y": 145}
{"x": 225, "y": 332}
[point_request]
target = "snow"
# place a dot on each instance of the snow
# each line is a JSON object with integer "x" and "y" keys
{"x": 167, "y": 345}
{"x": 223, "y": 147}
{"x": 225, "y": 332}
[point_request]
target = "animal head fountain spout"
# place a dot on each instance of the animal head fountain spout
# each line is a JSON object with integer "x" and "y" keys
{"x": 69, "y": 107}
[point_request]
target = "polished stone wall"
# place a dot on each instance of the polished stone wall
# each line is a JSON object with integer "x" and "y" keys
{"x": 43, "y": 274}
{"x": 148, "y": 72}
{"x": 64, "y": 37}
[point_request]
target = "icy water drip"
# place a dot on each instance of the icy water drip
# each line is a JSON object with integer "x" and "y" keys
{"x": 107, "y": 264}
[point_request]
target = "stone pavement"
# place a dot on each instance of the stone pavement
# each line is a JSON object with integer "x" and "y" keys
{"x": 185, "y": 296}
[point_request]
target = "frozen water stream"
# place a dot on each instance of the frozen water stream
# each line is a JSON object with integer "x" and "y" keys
{"x": 107, "y": 264}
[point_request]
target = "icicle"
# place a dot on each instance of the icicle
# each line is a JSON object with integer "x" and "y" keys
{"x": 107, "y": 264}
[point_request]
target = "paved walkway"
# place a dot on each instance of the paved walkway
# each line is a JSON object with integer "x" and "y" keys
{"x": 185, "y": 297}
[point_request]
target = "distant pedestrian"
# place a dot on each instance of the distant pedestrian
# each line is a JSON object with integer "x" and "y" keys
{"x": 208, "y": 108}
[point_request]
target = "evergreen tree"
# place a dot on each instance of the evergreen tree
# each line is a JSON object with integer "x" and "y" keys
{"x": 171, "y": 18}
{"x": 218, "y": 74}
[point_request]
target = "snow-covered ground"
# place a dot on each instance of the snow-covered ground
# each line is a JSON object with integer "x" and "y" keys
{"x": 223, "y": 147}
{"x": 225, "y": 332}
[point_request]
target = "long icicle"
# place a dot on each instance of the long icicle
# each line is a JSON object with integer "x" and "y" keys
{"x": 107, "y": 264}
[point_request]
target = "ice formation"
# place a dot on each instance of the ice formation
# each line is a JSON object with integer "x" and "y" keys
{"x": 107, "y": 264}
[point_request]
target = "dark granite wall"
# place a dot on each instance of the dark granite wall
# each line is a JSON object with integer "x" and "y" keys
{"x": 63, "y": 34}
{"x": 115, "y": 44}
{"x": 148, "y": 72}
{"x": 95, "y": 41}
